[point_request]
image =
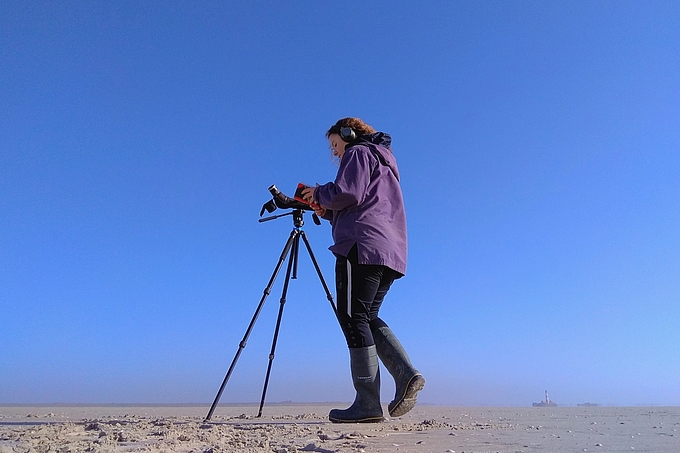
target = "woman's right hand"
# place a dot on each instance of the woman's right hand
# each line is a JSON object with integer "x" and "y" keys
{"x": 308, "y": 194}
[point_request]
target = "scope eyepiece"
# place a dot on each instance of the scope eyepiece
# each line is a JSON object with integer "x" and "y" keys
{"x": 274, "y": 190}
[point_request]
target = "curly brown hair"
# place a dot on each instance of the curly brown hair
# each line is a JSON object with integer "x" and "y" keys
{"x": 357, "y": 124}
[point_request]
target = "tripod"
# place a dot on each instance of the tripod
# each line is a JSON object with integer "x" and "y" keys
{"x": 292, "y": 246}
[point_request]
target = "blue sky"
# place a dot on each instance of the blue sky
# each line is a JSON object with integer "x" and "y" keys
{"x": 539, "y": 147}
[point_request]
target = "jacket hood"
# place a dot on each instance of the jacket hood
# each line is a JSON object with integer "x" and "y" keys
{"x": 380, "y": 143}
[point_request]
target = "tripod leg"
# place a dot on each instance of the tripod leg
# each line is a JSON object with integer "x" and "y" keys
{"x": 286, "y": 249}
{"x": 296, "y": 247}
{"x": 292, "y": 262}
{"x": 329, "y": 296}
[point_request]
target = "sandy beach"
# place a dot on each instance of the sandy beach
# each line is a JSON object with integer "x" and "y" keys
{"x": 297, "y": 428}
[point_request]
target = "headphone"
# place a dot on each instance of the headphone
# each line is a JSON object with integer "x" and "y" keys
{"x": 347, "y": 134}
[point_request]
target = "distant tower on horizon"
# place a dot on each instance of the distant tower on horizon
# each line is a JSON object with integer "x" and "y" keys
{"x": 546, "y": 402}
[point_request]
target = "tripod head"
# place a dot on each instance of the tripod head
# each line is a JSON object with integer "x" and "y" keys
{"x": 282, "y": 201}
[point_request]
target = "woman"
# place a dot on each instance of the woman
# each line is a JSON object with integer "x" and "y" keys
{"x": 366, "y": 209}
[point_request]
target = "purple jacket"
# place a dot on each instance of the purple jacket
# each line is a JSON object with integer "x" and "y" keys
{"x": 365, "y": 204}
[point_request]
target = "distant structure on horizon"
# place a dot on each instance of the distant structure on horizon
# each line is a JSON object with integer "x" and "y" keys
{"x": 546, "y": 402}
{"x": 587, "y": 405}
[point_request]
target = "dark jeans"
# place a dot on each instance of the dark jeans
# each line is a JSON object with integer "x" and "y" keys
{"x": 361, "y": 289}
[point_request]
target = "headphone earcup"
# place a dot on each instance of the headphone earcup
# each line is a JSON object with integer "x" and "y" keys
{"x": 347, "y": 134}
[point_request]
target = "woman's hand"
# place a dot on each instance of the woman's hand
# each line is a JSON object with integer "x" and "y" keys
{"x": 308, "y": 194}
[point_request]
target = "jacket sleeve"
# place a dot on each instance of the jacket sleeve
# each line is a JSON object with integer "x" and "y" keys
{"x": 328, "y": 215}
{"x": 351, "y": 182}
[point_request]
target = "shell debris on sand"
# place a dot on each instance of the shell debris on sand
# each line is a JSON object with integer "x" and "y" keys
{"x": 294, "y": 428}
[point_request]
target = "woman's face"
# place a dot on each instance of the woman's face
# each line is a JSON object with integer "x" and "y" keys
{"x": 337, "y": 145}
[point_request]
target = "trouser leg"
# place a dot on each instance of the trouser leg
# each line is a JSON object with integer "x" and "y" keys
{"x": 360, "y": 293}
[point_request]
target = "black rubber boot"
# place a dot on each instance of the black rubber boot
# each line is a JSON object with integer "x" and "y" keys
{"x": 407, "y": 379}
{"x": 366, "y": 377}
